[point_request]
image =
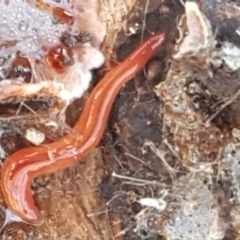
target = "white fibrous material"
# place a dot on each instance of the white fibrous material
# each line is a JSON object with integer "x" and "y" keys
{"x": 24, "y": 28}
{"x": 30, "y": 30}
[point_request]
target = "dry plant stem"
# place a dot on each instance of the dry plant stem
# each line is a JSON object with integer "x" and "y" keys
{"x": 182, "y": 2}
{"x": 142, "y": 162}
{"x": 22, "y": 167}
{"x": 137, "y": 180}
{"x": 160, "y": 154}
{"x": 230, "y": 101}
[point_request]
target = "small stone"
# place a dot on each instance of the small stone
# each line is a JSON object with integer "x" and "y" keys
{"x": 34, "y": 136}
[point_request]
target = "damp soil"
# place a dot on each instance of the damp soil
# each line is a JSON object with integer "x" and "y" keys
{"x": 98, "y": 198}
{"x": 135, "y": 171}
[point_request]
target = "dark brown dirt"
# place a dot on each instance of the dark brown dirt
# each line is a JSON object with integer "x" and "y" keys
{"x": 135, "y": 120}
